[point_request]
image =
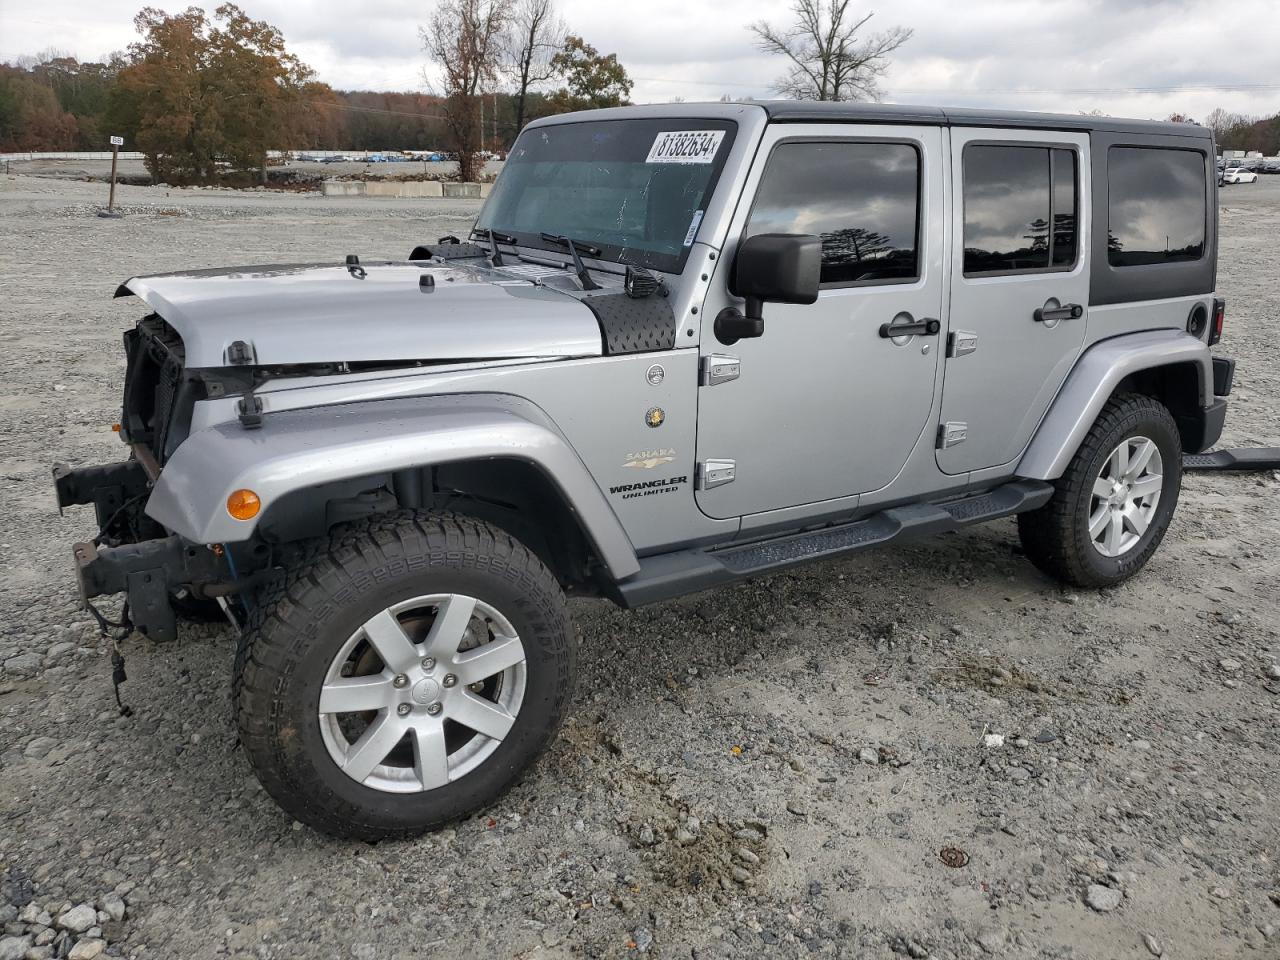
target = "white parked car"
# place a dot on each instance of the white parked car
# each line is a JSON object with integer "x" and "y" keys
{"x": 1239, "y": 175}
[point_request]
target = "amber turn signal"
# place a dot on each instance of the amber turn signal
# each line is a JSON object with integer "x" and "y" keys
{"x": 243, "y": 504}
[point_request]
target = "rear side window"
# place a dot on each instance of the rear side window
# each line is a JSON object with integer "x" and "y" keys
{"x": 1155, "y": 206}
{"x": 862, "y": 199}
{"x": 1020, "y": 209}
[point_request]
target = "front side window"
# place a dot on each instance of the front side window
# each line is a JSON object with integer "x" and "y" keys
{"x": 636, "y": 189}
{"x": 1155, "y": 206}
{"x": 1020, "y": 209}
{"x": 861, "y": 199}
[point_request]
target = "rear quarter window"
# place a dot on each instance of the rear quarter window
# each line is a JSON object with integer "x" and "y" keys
{"x": 1156, "y": 206}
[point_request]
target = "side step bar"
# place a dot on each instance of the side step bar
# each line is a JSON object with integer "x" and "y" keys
{"x": 1241, "y": 459}
{"x": 670, "y": 575}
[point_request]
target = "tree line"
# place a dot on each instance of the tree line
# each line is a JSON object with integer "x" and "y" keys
{"x": 205, "y": 97}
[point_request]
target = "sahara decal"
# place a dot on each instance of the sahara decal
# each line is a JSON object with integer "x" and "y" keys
{"x": 647, "y": 488}
{"x": 648, "y": 459}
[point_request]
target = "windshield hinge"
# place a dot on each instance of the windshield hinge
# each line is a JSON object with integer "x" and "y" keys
{"x": 250, "y": 411}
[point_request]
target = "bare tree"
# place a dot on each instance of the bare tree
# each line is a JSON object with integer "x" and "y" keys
{"x": 535, "y": 34}
{"x": 829, "y": 59}
{"x": 465, "y": 39}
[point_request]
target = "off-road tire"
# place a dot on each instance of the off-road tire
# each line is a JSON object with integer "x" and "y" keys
{"x": 331, "y": 587}
{"x": 1056, "y": 537}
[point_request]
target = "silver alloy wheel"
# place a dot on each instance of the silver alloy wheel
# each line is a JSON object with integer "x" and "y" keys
{"x": 1125, "y": 496}
{"x": 423, "y": 693}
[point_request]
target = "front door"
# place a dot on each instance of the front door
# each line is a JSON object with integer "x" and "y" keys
{"x": 823, "y": 405}
{"x": 1019, "y": 289}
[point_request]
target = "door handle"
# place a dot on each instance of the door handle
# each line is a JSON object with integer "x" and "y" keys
{"x": 1068, "y": 311}
{"x": 918, "y": 327}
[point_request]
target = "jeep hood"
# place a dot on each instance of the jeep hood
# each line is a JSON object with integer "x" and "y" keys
{"x": 375, "y": 312}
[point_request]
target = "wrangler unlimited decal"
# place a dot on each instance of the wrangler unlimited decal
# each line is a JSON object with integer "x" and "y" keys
{"x": 647, "y": 488}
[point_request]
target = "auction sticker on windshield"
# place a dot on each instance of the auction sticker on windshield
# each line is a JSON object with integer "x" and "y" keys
{"x": 685, "y": 146}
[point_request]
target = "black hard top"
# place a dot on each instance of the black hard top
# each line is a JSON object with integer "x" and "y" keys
{"x": 815, "y": 111}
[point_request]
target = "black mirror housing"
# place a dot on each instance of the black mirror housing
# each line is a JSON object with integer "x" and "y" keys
{"x": 772, "y": 268}
{"x": 778, "y": 268}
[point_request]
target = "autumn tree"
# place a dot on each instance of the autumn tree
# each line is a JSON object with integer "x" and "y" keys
{"x": 592, "y": 80}
{"x": 201, "y": 94}
{"x": 30, "y": 116}
{"x": 465, "y": 40}
{"x": 831, "y": 56}
{"x": 535, "y": 35}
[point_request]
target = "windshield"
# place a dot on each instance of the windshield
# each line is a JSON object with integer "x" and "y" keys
{"x": 636, "y": 189}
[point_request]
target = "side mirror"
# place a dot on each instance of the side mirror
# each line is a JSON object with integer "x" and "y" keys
{"x": 773, "y": 268}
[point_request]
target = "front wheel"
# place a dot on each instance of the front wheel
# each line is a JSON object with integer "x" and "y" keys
{"x": 1113, "y": 504}
{"x": 405, "y": 675}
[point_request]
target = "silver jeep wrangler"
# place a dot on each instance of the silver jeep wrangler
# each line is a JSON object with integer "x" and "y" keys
{"x": 682, "y": 346}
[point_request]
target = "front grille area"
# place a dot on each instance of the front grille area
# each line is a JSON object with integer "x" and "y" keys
{"x": 158, "y": 396}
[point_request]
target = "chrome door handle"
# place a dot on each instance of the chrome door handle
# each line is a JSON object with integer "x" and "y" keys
{"x": 1068, "y": 311}
{"x": 917, "y": 328}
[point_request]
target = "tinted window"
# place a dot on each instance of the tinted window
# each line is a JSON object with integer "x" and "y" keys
{"x": 1156, "y": 206}
{"x": 1020, "y": 209}
{"x": 862, "y": 199}
{"x": 1065, "y": 208}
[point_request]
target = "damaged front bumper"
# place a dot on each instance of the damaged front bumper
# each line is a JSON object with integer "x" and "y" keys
{"x": 133, "y": 554}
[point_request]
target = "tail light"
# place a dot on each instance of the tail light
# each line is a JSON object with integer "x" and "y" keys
{"x": 1219, "y": 318}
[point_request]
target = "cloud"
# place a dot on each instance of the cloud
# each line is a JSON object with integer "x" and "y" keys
{"x": 1124, "y": 57}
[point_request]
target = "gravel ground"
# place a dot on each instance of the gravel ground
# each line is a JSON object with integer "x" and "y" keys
{"x": 931, "y": 751}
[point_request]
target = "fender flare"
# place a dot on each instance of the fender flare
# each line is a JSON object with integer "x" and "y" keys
{"x": 1091, "y": 383}
{"x": 297, "y": 449}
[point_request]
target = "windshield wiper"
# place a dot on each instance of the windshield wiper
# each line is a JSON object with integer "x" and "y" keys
{"x": 574, "y": 246}
{"x": 494, "y": 238}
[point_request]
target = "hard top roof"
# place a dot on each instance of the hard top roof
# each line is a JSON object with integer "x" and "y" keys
{"x": 814, "y": 111}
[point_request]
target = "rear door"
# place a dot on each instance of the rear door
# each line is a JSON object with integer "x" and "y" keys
{"x": 1019, "y": 288}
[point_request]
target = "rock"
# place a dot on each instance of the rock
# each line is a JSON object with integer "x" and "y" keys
{"x": 867, "y": 755}
{"x": 8, "y": 913}
{"x": 14, "y": 948}
{"x": 87, "y": 950}
{"x": 746, "y": 856}
{"x": 113, "y": 906}
{"x": 1268, "y": 930}
{"x": 1229, "y": 666}
{"x": 1103, "y": 899}
{"x": 39, "y": 748}
{"x": 1019, "y": 774}
{"x": 78, "y": 919}
{"x": 60, "y": 650}
{"x": 1045, "y": 736}
{"x": 993, "y": 740}
{"x": 1220, "y": 893}
{"x": 684, "y": 837}
{"x": 797, "y": 808}
{"x": 992, "y": 939}
{"x": 23, "y": 665}
{"x": 741, "y": 875}
{"x": 1152, "y": 945}
{"x": 643, "y": 939}
{"x": 1273, "y": 671}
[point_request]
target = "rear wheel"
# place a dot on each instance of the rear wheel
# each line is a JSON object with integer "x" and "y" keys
{"x": 406, "y": 674}
{"x": 1113, "y": 504}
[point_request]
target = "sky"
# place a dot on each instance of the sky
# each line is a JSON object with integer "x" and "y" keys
{"x": 1137, "y": 58}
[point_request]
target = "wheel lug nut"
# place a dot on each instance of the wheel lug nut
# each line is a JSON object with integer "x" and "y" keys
{"x": 428, "y": 663}
{"x": 434, "y": 709}
{"x": 400, "y": 681}
{"x": 404, "y": 709}
{"x": 449, "y": 680}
